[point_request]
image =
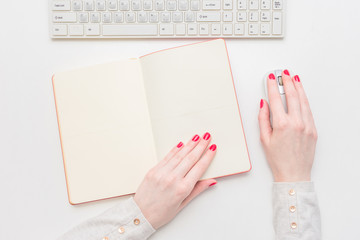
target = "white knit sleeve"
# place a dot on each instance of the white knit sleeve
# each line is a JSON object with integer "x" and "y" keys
{"x": 296, "y": 211}
{"x": 124, "y": 221}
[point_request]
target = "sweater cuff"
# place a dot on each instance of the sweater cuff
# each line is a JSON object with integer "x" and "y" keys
{"x": 132, "y": 226}
{"x": 296, "y": 211}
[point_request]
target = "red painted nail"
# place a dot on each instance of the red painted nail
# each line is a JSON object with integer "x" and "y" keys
{"x": 212, "y": 184}
{"x": 261, "y": 103}
{"x": 271, "y": 76}
{"x": 206, "y": 136}
{"x": 213, "y": 147}
{"x": 180, "y": 145}
{"x": 195, "y": 138}
{"x": 297, "y": 78}
{"x": 286, "y": 72}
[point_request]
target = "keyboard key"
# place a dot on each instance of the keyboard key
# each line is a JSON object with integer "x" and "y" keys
{"x": 192, "y": 29}
{"x": 61, "y": 5}
{"x": 83, "y": 17}
{"x": 159, "y": 5}
{"x": 209, "y": 17}
{"x": 148, "y": 5}
{"x": 189, "y": 17}
{"x": 153, "y": 17}
{"x": 177, "y": 17}
{"x": 77, "y": 5}
{"x": 92, "y": 29}
{"x": 130, "y": 17}
{"x": 118, "y": 17}
{"x": 265, "y": 29}
{"x": 277, "y": 23}
{"x": 239, "y": 29}
{"x": 136, "y": 6}
{"x": 171, "y": 5}
{"x": 60, "y": 30}
{"x": 166, "y": 29}
{"x": 106, "y": 17}
{"x": 253, "y": 16}
{"x": 227, "y": 17}
{"x": 241, "y": 16}
{"x": 180, "y": 29}
{"x": 215, "y": 29}
{"x": 195, "y": 5}
{"x": 253, "y": 29}
{"x": 265, "y": 4}
{"x": 228, "y": 5}
{"x": 130, "y": 30}
{"x": 95, "y": 17}
{"x": 76, "y": 30}
{"x": 204, "y": 29}
{"x": 100, "y": 5}
{"x": 265, "y": 16}
{"x": 64, "y": 17}
{"x": 124, "y": 5}
{"x": 183, "y": 5}
{"x": 89, "y": 5}
{"x": 227, "y": 29}
{"x": 113, "y": 5}
{"x": 165, "y": 17}
{"x": 277, "y": 4}
{"x": 254, "y": 4}
{"x": 142, "y": 17}
{"x": 211, "y": 5}
{"x": 242, "y": 4}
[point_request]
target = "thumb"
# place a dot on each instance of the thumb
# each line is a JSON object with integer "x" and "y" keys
{"x": 200, "y": 186}
{"x": 264, "y": 121}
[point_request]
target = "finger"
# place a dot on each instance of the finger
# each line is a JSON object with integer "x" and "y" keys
{"x": 292, "y": 97}
{"x": 177, "y": 158}
{"x": 171, "y": 154}
{"x": 200, "y": 187}
{"x": 276, "y": 105}
{"x": 304, "y": 102}
{"x": 200, "y": 167}
{"x": 264, "y": 121}
{"x": 189, "y": 160}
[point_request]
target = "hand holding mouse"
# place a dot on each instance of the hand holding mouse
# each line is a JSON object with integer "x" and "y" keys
{"x": 290, "y": 141}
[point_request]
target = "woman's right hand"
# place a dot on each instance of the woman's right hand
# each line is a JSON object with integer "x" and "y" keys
{"x": 290, "y": 143}
{"x": 174, "y": 182}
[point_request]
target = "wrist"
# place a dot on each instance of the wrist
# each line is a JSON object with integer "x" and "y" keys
{"x": 292, "y": 178}
{"x": 148, "y": 213}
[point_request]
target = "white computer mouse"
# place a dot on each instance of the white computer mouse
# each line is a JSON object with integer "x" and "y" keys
{"x": 278, "y": 79}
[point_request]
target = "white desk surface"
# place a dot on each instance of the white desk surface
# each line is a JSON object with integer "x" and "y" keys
{"x": 321, "y": 45}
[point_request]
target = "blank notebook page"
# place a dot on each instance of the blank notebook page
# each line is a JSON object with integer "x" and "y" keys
{"x": 190, "y": 90}
{"x": 105, "y": 130}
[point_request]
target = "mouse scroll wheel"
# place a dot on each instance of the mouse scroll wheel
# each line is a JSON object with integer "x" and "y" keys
{"x": 280, "y": 80}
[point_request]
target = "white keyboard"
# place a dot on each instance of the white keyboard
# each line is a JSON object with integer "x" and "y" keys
{"x": 167, "y": 18}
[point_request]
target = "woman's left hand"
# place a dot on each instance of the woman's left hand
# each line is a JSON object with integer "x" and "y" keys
{"x": 174, "y": 182}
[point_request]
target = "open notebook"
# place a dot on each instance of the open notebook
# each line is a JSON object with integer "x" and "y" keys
{"x": 117, "y": 120}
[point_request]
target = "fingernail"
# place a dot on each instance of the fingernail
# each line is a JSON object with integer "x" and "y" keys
{"x": 213, "y": 147}
{"x": 271, "y": 76}
{"x": 261, "y": 103}
{"x": 212, "y": 184}
{"x": 286, "y": 72}
{"x": 195, "y": 138}
{"x": 206, "y": 136}
{"x": 297, "y": 78}
{"x": 180, "y": 145}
